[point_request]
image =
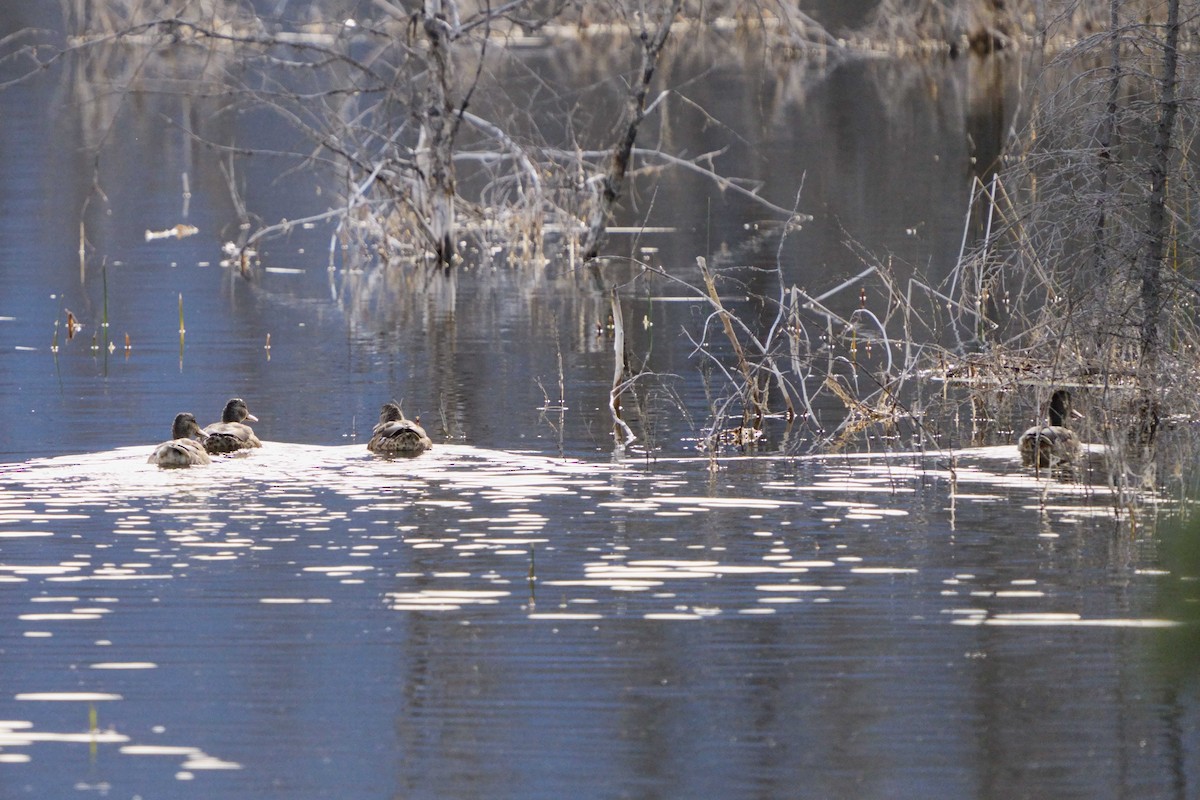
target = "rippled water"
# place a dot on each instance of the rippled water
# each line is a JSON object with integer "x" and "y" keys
{"x": 531, "y": 610}
{"x": 313, "y": 621}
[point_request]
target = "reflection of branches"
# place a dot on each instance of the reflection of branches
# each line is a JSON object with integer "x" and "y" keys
{"x": 383, "y": 97}
{"x": 810, "y": 350}
{"x": 619, "y": 384}
{"x": 613, "y": 178}
{"x": 781, "y": 362}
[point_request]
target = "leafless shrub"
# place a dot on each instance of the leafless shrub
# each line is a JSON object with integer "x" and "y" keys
{"x": 1086, "y": 276}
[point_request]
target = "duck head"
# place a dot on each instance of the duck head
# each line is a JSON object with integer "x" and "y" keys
{"x": 390, "y": 412}
{"x": 236, "y": 411}
{"x": 1060, "y": 408}
{"x": 185, "y": 427}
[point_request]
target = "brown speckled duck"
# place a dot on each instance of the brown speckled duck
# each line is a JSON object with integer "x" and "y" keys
{"x": 232, "y": 433}
{"x": 397, "y": 435}
{"x": 1054, "y": 444}
{"x": 182, "y": 450}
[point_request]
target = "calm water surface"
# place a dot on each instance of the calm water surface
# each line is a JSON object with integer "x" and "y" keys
{"x": 528, "y": 610}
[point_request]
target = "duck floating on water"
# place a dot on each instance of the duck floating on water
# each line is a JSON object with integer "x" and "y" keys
{"x": 182, "y": 450}
{"x": 1055, "y": 444}
{"x": 397, "y": 435}
{"x": 232, "y": 433}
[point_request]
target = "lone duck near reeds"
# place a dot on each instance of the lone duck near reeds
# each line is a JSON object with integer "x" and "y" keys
{"x": 1054, "y": 444}
{"x": 182, "y": 450}
{"x": 232, "y": 433}
{"x": 397, "y": 435}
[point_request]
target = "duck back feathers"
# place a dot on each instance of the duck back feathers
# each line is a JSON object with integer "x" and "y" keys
{"x": 1052, "y": 445}
{"x": 232, "y": 433}
{"x": 182, "y": 450}
{"x": 397, "y": 435}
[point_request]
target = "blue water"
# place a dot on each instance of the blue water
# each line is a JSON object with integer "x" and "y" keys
{"x": 530, "y": 610}
{"x": 312, "y": 621}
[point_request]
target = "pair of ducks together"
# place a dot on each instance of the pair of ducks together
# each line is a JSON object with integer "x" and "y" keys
{"x": 227, "y": 436}
{"x": 393, "y": 435}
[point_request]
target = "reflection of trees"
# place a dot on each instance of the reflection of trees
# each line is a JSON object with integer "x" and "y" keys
{"x": 915, "y": 108}
{"x": 534, "y": 110}
{"x": 400, "y": 102}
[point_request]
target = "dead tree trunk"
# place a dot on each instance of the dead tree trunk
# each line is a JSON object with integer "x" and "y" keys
{"x": 614, "y": 178}
{"x": 435, "y": 145}
{"x": 1108, "y": 139}
{"x": 1157, "y": 231}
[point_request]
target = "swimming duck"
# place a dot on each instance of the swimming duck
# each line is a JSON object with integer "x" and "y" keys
{"x": 231, "y": 433}
{"x": 182, "y": 450}
{"x": 1054, "y": 444}
{"x": 397, "y": 435}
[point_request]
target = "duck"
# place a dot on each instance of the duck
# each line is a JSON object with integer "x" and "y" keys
{"x": 1054, "y": 444}
{"x": 397, "y": 435}
{"x": 182, "y": 450}
{"x": 232, "y": 433}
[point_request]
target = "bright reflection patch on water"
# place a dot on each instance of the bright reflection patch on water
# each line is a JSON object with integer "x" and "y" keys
{"x": 1064, "y": 620}
{"x": 67, "y": 697}
{"x": 373, "y": 516}
{"x": 105, "y": 545}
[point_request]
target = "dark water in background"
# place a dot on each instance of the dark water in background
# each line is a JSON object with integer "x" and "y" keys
{"x": 309, "y": 622}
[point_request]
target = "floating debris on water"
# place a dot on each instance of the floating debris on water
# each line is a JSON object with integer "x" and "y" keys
{"x": 179, "y": 232}
{"x": 240, "y": 257}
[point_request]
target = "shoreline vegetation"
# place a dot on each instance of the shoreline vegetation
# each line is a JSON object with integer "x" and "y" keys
{"x": 1077, "y": 266}
{"x": 892, "y": 28}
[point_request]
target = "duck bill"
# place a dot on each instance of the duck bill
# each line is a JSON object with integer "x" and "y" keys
{"x": 251, "y": 418}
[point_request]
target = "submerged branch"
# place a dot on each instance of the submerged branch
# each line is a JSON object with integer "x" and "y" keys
{"x": 618, "y": 384}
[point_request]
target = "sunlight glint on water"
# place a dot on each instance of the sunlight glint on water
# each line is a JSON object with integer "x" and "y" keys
{"x": 460, "y": 533}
